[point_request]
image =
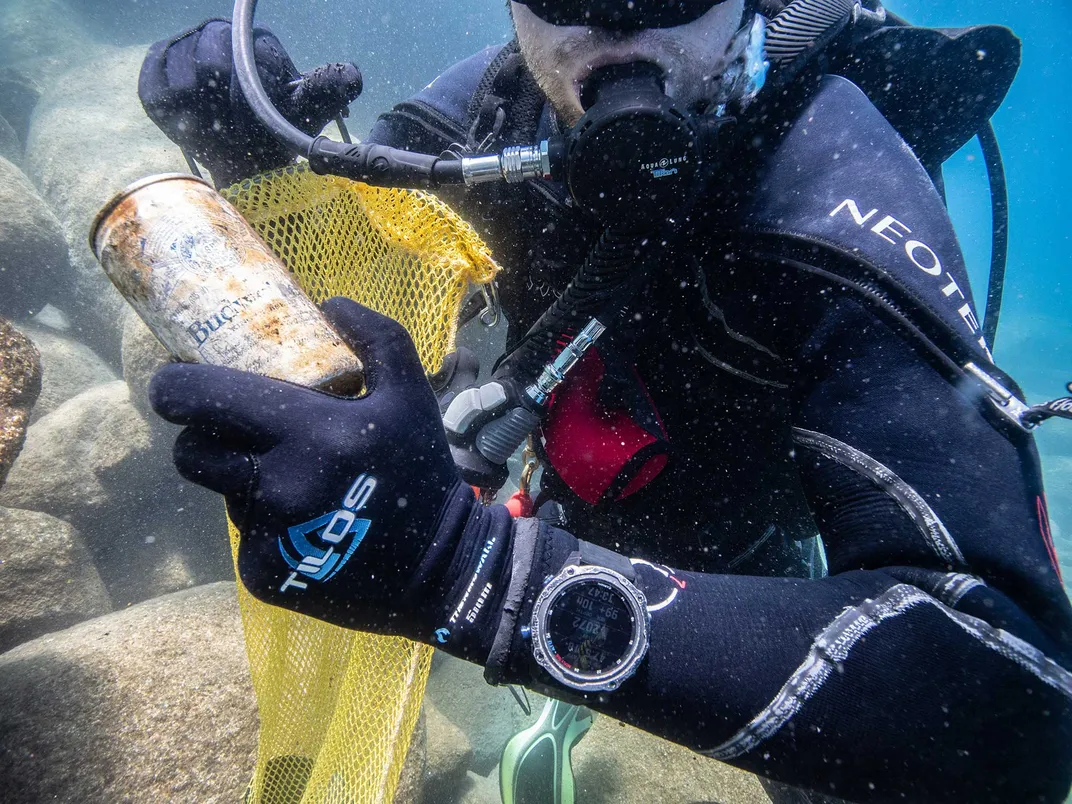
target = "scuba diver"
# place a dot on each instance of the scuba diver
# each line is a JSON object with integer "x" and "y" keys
{"x": 738, "y": 317}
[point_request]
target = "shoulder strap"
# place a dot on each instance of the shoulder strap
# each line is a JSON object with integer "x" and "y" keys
{"x": 507, "y": 104}
{"x": 842, "y": 198}
{"x": 937, "y": 87}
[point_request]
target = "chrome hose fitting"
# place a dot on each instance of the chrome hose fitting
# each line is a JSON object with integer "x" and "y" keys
{"x": 555, "y": 372}
{"x": 517, "y": 163}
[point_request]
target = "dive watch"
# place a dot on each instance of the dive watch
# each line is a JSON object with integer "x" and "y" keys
{"x": 590, "y": 625}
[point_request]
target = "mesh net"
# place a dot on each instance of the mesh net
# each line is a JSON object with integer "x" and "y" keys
{"x": 338, "y": 707}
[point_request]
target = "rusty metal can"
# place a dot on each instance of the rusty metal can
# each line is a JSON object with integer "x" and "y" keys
{"x": 211, "y": 290}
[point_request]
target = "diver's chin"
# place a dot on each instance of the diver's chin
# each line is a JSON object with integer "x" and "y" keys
{"x": 568, "y": 109}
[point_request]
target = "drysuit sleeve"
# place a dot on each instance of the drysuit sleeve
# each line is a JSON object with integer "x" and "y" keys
{"x": 932, "y": 663}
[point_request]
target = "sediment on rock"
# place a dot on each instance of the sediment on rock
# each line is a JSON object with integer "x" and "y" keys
{"x": 20, "y": 384}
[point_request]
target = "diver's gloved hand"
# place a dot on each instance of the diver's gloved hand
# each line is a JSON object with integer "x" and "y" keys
{"x": 187, "y": 88}
{"x": 350, "y": 510}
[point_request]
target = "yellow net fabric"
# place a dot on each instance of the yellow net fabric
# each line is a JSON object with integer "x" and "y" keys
{"x": 338, "y": 707}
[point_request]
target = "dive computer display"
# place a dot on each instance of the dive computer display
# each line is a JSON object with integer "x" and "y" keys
{"x": 590, "y": 628}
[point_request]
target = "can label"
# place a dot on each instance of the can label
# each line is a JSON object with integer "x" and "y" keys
{"x": 211, "y": 290}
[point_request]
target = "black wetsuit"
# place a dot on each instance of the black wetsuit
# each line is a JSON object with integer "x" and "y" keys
{"x": 931, "y": 664}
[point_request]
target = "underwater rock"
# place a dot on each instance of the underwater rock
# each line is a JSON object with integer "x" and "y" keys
{"x": 616, "y": 763}
{"x": 152, "y": 703}
{"x": 409, "y": 782}
{"x": 68, "y": 368}
{"x": 142, "y": 355}
{"x": 73, "y": 461}
{"x": 92, "y": 462}
{"x": 449, "y": 755}
{"x": 50, "y": 582}
{"x": 117, "y": 145}
{"x": 477, "y": 790}
{"x": 438, "y": 761}
{"x": 34, "y": 266}
{"x": 20, "y": 384}
{"x": 10, "y": 144}
{"x": 44, "y": 36}
{"x": 19, "y": 94}
{"x": 488, "y": 715}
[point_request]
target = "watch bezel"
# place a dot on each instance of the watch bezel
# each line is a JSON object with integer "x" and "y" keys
{"x": 567, "y": 578}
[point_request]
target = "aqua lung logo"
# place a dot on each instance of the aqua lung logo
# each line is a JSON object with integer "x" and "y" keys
{"x": 316, "y": 550}
{"x": 664, "y": 167}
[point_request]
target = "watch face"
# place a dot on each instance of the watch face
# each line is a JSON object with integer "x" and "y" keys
{"x": 590, "y": 627}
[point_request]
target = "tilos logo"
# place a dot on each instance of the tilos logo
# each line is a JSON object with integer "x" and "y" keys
{"x": 316, "y": 550}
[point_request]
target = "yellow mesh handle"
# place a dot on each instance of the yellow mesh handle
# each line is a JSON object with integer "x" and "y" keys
{"x": 338, "y": 707}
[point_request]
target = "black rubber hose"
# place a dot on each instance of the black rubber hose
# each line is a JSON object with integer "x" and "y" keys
{"x": 999, "y": 249}
{"x": 250, "y": 81}
{"x": 611, "y": 274}
{"x": 373, "y": 164}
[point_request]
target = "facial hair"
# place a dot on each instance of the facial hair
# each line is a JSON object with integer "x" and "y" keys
{"x": 692, "y": 57}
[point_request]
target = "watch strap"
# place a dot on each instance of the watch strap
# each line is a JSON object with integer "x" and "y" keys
{"x": 594, "y": 555}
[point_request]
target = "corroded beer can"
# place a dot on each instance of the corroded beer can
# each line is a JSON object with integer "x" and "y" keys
{"x": 211, "y": 290}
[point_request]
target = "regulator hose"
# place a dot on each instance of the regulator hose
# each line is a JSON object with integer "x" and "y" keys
{"x": 250, "y": 82}
{"x": 606, "y": 282}
{"x": 379, "y": 165}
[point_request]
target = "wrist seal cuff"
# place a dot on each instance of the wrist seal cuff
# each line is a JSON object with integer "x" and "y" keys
{"x": 526, "y": 537}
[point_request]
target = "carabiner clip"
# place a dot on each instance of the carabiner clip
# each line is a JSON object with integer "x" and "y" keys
{"x": 520, "y": 502}
{"x": 492, "y": 311}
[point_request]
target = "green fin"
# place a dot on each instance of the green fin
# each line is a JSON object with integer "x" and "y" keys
{"x": 535, "y": 767}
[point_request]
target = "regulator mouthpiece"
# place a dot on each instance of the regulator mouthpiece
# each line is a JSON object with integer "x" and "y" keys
{"x": 634, "y": 156}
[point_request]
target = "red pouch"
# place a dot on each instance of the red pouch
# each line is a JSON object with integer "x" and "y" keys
{"x": 603, "y": 454}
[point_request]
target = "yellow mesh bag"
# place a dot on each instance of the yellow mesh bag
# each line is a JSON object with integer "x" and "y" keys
{"x": 338, "y": 707}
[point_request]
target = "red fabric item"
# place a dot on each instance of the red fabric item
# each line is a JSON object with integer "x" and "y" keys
{"x": 1047, "y": 537}
{"x": 519, "y": 504}
{"x": 590, "y": 447}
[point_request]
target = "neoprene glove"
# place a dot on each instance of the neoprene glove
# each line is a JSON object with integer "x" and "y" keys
{"x": 186, "y": 88}
{"x": 350, "y": 510}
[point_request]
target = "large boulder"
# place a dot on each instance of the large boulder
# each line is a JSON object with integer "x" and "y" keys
{"x": 142, "y": 355}
{"x": 20, "y": 384}
{"x": 34, "y": 266}
{"x": 49, "y": 581}
{"x": 153, "y": 703}
{"x": 92, "y": 462}
{"x": 95, "y": 105}
{"x": 437, "y": 765}
{"x": 10, "y": 144}
{"x": 74, "y": 460}
{"x": 18, "y": 97}
{"x": 68, "y": 368}
{"x": 448, "y": 756}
